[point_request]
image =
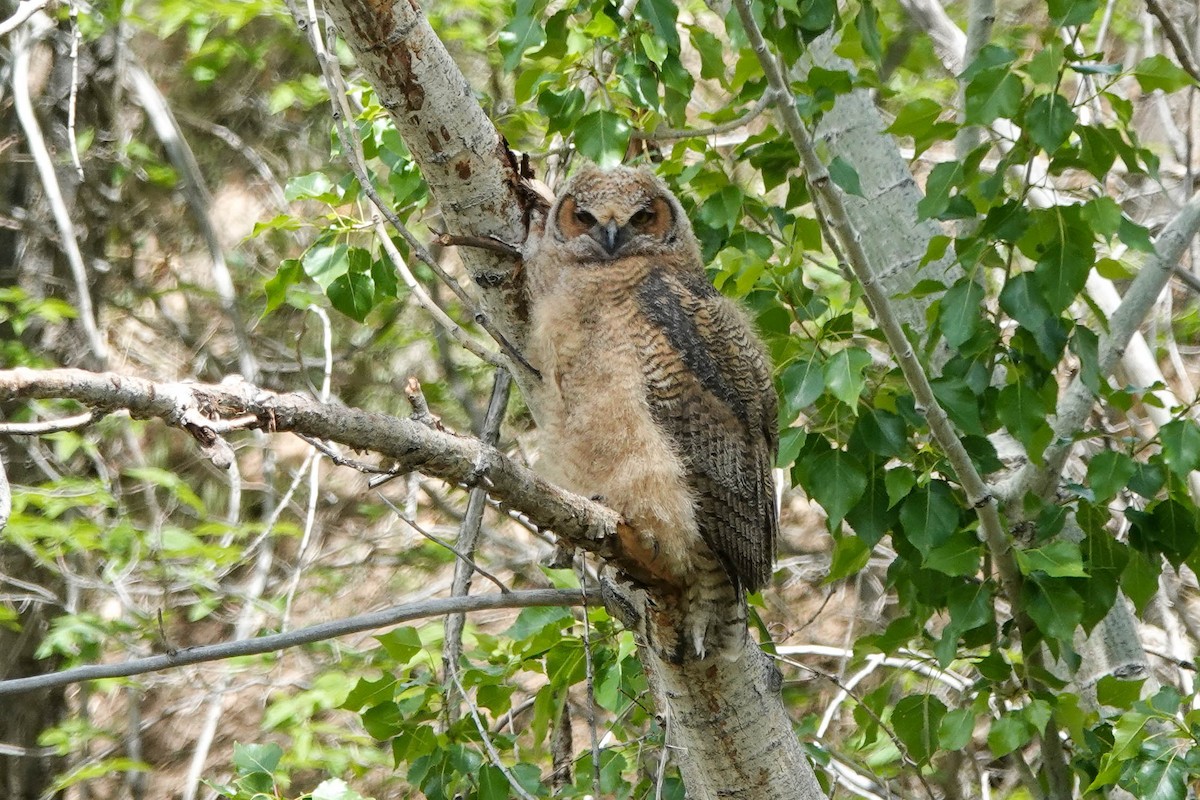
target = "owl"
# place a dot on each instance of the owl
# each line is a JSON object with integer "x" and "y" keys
{"x": 656, "y": 398}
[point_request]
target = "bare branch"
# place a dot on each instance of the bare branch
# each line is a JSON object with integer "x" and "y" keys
{"x": 313, "y": 633}
{"x": 23, "y": 105}
{"x": 1076, "y": 403}
{"x": 49, "y": 425}
{"x": 25, "y": 10}
{"x": 1179, "y": 44}
{"x": 413, "y": 446}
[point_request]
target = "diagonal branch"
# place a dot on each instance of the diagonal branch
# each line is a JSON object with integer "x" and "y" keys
{"x": 1076, "y": 403}
{"x": 979, "y": 494}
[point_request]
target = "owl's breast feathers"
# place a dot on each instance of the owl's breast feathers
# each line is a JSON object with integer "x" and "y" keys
{"x": 709, "y": 389}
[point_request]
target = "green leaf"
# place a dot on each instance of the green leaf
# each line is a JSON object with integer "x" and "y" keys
{"x": 602, "y": 136}
{"x": 1181, "y": 446}
{"x": 402, "y": 643}
{"x": 1173, "y": 529}
{"x": 353, "y": 293}
{"x": 1163, "y": 778}
{"x": 1056, "y": 611}
{"x": 929, "y": 516}
{"x": 956, "y": 729}
{"x": 899, "y": 481}
{"x": 871, "y": 517}
{"x": 535, "y": 620}
{"x": 844, "y": 374}
{"x": 803, "y": 383}
{"x": 712, "y": 54}
{"x": 1049, "y": 121}
{"x": 1139, "y": 579}
{"x": 1064, "y": 13}
{"x": 1158, "y": 72}
{"x": 791, "y": 442}
{"x": 384, "y": 721}
{"x": 251, "y": 759}
{"x": 837, "y": 481}
{"x": 958, "y": 557}
{"x": 1060, "y": 559}
{"x": 993, "y": 94}
{"x": 1008, "y": 733}
{"x": 850, "y": 554}
{"x": 661, "y": 15}
{"x": 1025, "y": 410}
{"x": 313, "y": 186}
{"x": 882, "y": 432}
{"x": 289, "y": 273}
{"x": 919, "y": 119}
{"x": 492, "y": 783}
{"x": 561, "y": 110}
{"x": 1119, "y": 692}
{"x": 942, "y": 180}
{"x": 960, "y": 311}
{"x": 519, "y": 35}
{"x": 842, "y": 173}
{"x": 916, "y": 720}
{"x": 325, "y": 263}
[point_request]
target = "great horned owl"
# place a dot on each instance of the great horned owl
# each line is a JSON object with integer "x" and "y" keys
{"x": 655, "y": 396}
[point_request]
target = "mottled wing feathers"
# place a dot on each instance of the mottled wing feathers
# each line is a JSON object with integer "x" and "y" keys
{"x": 709, "y": 388}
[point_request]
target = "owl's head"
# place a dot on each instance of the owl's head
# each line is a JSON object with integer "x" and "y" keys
{"x": 610, "y": 214}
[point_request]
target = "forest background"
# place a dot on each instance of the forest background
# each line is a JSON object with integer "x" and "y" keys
{"x": 965, "y": 232}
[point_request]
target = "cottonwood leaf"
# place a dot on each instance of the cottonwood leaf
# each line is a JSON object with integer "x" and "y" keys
{"x": 929, "y": 516}
{"x": 916, "y": 720}
{"x": 837, "y": 481}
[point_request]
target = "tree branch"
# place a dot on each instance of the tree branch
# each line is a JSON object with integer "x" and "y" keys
{"x": 1175, "y": 37}
{"x": 313, "y": 633}
{"x": 1076, "y": 403}
{"x": 979, "y": 494}
{"x": 198, "y": 409}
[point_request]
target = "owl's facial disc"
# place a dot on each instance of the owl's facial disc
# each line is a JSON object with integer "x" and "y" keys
{"x": 616, "y": 231}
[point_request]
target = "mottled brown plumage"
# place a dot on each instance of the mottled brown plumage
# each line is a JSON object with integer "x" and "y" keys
{"x": 655, "y": 394}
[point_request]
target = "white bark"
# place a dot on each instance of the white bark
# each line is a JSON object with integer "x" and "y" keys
{"x": 885, "y": 217}
{"x": 465, "y": 161}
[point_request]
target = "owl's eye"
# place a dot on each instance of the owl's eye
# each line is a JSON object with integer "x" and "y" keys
{"x": 642, "y": 217}
{"x": 584, "y": 218}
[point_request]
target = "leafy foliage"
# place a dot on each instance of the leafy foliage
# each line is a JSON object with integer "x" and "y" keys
{"x": 988, "y": 669}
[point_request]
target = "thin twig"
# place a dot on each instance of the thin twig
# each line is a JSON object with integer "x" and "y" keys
{"x": 25, "y": 10}
{"x": 5, "y": 497}
{"x": 23, "y": 105}
{"x": 590, "y": 672}
{"x": 280, "y": 641}
{"x": 674, "y": 134}
{"x": 468, "y": 532}
{"x": 443, "y": 543}
{"x": 487, "y": 740}
{"x": 314, "y": 469}
{"x": 162, "y": 120}
{"x": 1183, "y": 53}
{"x": 50, "y": 425}
{"x": 469, "y": 342}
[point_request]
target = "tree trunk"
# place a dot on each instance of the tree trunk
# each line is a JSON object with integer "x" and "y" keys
{"x": 726, "y": 716}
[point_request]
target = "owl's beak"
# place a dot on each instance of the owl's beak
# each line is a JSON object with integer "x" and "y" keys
{"x": 609, "y": 236}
